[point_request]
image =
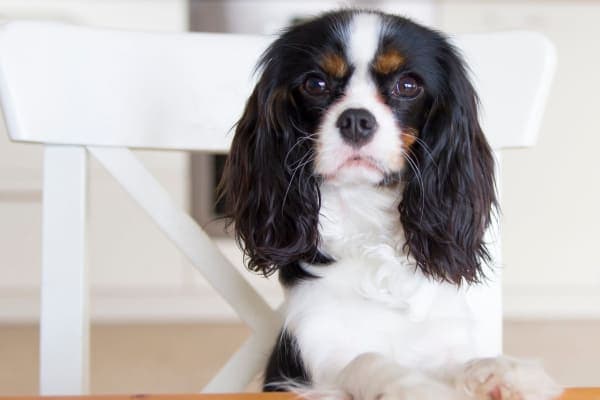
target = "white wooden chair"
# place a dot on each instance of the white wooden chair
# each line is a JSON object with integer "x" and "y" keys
{"x": 81, "y": 91}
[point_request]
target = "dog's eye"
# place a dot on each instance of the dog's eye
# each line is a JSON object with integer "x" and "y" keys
{"x": 315, "y": 86}
{"x": 407, "y": 87}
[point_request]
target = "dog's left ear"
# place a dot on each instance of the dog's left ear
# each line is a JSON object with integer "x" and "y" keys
{"x": 446, "y": 210}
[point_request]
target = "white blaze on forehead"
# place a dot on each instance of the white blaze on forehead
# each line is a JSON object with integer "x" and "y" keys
{"x": 364, "y": 35}
{"x": 362, "y": 41}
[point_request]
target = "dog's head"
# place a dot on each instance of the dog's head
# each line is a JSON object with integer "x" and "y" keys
{"x": 357, "y": 97}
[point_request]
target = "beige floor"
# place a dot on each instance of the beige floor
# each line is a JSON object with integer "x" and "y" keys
{"x": 181, "y": 358}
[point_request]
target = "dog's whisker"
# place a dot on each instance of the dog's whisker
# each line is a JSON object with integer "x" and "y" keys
{"x": 295, "y": 163}
{"x": 298, "y": 142}
{"x": 308, "y": 134}
{"x": 419, "y": 177}
{"x": 423, "y": 145}
{"x": 287, "y": 190}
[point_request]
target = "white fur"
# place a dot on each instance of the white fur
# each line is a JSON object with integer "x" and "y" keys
{"x": 373, "y": 327}
{"x": 373, "y": 299}
{"x": 363, "y": 41}
{"x": 372, "y": 376}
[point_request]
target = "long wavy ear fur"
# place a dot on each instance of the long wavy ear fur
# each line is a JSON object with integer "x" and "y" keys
{"x": 446, "y": 212}
{"x": 270, "y": 193}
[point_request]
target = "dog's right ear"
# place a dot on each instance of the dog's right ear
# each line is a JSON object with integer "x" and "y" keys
{"x": 270, "y": 193}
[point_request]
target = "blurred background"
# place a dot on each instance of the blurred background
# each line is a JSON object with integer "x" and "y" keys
{"x": 158, "y": 327}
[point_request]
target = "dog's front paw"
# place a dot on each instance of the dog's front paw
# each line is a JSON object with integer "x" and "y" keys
{"x": 505, "y": 378}
{"x": 371, "y": 376}
{"x": 416, "y": 386}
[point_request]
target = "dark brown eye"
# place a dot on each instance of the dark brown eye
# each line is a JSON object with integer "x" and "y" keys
{"x": 407, "y": 87}
{"x": 315, "y": 86}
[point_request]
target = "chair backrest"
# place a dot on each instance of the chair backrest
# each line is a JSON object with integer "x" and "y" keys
{"x": 96, "y": 89}
{"x": 75, "y": 85}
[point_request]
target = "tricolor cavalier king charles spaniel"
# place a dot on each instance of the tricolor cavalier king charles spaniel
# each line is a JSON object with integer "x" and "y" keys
{"x": 359, "y": 173}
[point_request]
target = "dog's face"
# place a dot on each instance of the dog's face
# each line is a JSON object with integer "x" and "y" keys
{"x": 356, "y": 97}
{"x": 364, "y": 95}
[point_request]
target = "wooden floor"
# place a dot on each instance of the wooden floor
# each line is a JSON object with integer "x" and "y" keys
{"x": 181, "y": 358}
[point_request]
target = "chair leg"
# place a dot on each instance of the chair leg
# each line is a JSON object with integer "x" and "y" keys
{"x": 64, "y": 319}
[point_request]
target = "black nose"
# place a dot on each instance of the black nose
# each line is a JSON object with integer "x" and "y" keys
{"x": 357, "y": 126}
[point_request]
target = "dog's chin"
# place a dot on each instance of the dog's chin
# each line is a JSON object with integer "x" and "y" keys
{"x": 360, "y": 172}
{"x": 353, "y": 175}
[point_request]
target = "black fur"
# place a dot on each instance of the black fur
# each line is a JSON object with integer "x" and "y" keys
{"x": 445, "y": 208}
{"x": 272, "y": 193}
{"x": 285, "y": 365}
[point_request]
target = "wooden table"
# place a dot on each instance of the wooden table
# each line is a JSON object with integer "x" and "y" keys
{"x": 569, "y": 394}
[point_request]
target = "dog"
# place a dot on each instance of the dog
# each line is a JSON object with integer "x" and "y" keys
{"x": 359, "y": 172}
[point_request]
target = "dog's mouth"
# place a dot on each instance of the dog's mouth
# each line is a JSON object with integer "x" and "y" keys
{"x": 357, "y": 168}
{"x": 357, "y": 161}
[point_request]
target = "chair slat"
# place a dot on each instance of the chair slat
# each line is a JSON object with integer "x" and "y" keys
{"x": 247, "y": 362}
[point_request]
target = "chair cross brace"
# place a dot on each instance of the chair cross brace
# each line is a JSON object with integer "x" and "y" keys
{"x": 176, "y": 224}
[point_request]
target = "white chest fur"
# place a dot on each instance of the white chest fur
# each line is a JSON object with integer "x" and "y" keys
{"x": 372, "y": 298}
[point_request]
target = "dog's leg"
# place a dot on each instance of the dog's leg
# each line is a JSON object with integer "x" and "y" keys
{"x": 505, "y": 378}
{"x": 372, "y": 376}
{"x": 285, "y": 370}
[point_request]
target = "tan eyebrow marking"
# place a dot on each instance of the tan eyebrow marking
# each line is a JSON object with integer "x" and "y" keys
{"x": 334, "y": 65}
{"x": 389, "y": 61}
